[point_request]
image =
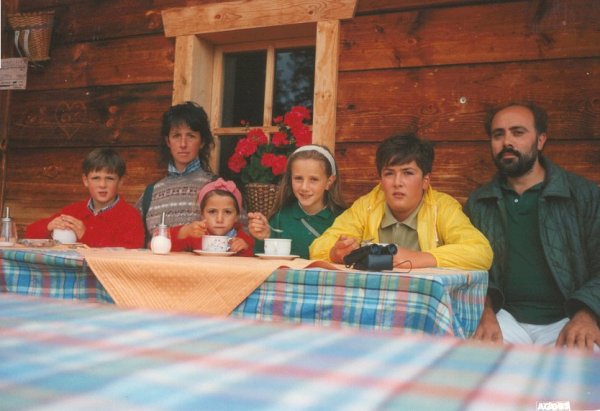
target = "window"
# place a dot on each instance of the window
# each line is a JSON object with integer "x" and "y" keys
{"x": 258, "y": 86}
{"x": 205, "y": 34}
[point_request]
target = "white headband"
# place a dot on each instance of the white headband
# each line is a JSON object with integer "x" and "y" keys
{"x": 320, "y": 150}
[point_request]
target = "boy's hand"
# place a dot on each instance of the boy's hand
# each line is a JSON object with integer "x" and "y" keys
{"x": 194, "y": 229}
{"x": 342, "y": 247}
{"x": 238, "y": 244}
{"x": 67, "y": 222}
{"x": 258, "y": 226}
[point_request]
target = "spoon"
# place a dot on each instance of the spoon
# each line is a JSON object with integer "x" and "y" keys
{"x": 277, "y": 230}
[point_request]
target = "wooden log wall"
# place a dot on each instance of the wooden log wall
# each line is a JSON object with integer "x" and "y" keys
{"x": 437, "y": 67}
{"x": 430, "y": 66}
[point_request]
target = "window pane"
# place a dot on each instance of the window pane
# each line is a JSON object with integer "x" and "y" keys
{"x": 243, "y": 88}
{"x": 294, "y": 79}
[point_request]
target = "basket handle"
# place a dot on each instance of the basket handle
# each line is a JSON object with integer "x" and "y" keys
{"x": 25, "y": 42}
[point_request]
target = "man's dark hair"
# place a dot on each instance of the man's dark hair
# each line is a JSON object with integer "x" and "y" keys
{"x": 196, "y": 119}
{"x": 402, "y": 149}
{"x": 540, "y": 117}
{"x": 104, "y": 159}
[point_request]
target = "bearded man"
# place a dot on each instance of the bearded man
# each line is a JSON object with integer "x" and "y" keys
{"x": 544, "y": 226}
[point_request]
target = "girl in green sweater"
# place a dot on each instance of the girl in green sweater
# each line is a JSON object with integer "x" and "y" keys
{"x": 308, "y": 201}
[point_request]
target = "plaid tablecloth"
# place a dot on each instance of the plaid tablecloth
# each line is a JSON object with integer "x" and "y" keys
{"x": 66, "y": 355}
{"x": 49, "y": 273}
{"x": 439, "y": 302}
{"x": 432, "y": 301}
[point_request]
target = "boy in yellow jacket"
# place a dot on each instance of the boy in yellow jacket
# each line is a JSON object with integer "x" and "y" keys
{"x": 429, "y": 227}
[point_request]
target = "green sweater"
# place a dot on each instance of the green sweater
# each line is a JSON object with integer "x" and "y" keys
{"x": 295, "y": 224}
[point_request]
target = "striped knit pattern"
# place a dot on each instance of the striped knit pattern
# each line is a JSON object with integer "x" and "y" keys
{"x": 176, "y": 196}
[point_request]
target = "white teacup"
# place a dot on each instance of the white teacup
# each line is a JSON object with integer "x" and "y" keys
{"x": 215, "y": 243}
{"x": 278, "y": 246}
{"x": 64, "y": 236}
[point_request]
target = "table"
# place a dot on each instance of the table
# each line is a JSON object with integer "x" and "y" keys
{"x": 434, "y": 301}
{"x": 61, "y": 354}
{"x": 49, "y": 273}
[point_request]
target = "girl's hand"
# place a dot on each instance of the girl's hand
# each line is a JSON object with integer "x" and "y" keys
{"x": 238, "y": 244}
{"x": 258, "y": 226}
{"x": 67, "y": 222}
{"x": 194, "y": 229}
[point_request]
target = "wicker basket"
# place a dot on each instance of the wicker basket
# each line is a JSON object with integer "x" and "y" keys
{"x": 33, "y": 32}
{"x": 260, "y": 197}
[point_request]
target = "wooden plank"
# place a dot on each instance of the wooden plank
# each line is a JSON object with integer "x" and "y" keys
{"x": 87, "y": 117}
{"x": 449, "y": 103}
{"x": 192, "y": 78}
{"x": 147, "y": 59}
{"x": 92, "y": 20}
{"x": 374, "y": 6}
{"x": 459, "y": 168}
{"x": 498, "y": 32}
{"x": 326, "y": 76}
{"x": 41, "y": 182}
{"x": 249, "y": 14}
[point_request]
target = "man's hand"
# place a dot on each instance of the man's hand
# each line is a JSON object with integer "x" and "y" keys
{"x": 581, "y": 332}
{"x": 488, "y": 329}
{"x": 342, "y": 247}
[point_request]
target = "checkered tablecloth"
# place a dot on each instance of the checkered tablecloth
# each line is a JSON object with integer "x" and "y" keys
{"x": 49, "y": 273}
{"x": 432, "y": 301}
{"x": 68, "y": 355}
{"x": 435, "y": 303}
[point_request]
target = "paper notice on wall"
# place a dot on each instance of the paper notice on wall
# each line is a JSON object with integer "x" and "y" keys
{"x": 13, "y": 74}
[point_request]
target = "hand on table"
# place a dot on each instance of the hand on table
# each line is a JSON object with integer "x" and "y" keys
{"x": 194, "y": 229}
{"x": 67, "y": 222}
{"x": 342, "y": 247}
{"x": 488, "y": 329}
{"x": 581, "y": 332}
{"x": 258, "y": 226}
{"x": 406, "y": 258}
{"x": 238, "y": 244}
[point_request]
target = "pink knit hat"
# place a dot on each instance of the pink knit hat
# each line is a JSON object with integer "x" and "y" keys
{"x": 220, "y": 184}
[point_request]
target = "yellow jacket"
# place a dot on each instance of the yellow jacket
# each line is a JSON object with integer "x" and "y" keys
{"x": 443, "y": 230}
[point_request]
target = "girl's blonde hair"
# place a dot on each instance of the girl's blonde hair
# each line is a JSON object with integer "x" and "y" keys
{"x": 333, "y": 196}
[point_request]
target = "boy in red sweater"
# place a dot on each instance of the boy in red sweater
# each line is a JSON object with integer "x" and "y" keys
{"x": 103, "y": 220}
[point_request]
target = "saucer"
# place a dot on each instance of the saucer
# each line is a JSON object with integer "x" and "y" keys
{"x": 276, "y": 257}
{"x": 214, "y": 253}
{"x": 38, "y": 242}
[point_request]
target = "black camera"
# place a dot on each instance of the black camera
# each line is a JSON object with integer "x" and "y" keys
{"x": 372, "y": 257}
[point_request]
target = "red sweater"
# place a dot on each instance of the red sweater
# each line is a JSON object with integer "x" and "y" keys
{"x": 120, "y": 226}
{"x": 194, "y": 243}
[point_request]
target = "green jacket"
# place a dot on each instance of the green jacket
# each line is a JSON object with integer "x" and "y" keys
{"x": 569, "y": 214}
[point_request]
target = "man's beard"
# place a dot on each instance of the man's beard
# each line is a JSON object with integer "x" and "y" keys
{"x": 518, "y": 166}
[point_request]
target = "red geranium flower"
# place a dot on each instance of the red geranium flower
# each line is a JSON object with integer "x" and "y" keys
{"x": 257, "y": 135}
{"x": 236, "y": 163}
{"x": 279, "y": 164}
{"x": 259, "y": 160}
{"x": 280, "y": 139}
{"x": 246, "y": 147}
